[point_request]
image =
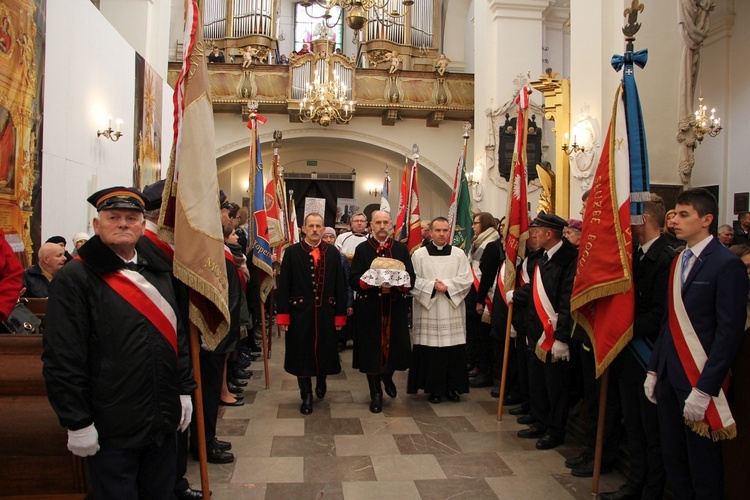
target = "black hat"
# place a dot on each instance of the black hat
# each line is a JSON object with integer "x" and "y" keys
{"x": 549, "y": 221}
{"x": 117, "y": 197}
{"x": 57, "y": 240}
{"x": 152, "y": 195}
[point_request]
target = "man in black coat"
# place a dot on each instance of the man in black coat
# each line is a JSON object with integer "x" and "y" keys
{"x": 381, "y": 338}
{"x": 311, "y": 307}
{"x": 111, "y": 353}
{"x": 549, "y": 330}
{"x": 650, "y": 274}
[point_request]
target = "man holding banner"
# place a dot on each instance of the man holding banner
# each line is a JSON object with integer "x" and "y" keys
{"x": 699, "y": 338}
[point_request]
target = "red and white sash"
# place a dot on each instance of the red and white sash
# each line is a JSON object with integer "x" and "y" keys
{"x": 487, "y": 298}
{"x": 718, "y": 422}
{"x": 145, "y": 298}
{"x": 163, "y": 245}
{"x": 546, "y": 313}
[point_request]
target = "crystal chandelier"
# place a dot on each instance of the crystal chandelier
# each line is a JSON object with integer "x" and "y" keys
{"x": 706, "y": 125}
{"x": 384, "y": 11}
{"x": 325, "y": 101}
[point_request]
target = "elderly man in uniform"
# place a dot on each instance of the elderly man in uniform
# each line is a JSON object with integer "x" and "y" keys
{"x": 381, "y": 339}
{"x": 111, "y": 353}
{"x": 549, "y": 329}
{"x": 310, "y": 305}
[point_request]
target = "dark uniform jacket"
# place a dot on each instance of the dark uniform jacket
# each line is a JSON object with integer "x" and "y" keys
{"x": 312, "y": 301}
{"x": 104, "y": 361}
{"x": 557, "y": 277}
{"x": 371, "y": 306}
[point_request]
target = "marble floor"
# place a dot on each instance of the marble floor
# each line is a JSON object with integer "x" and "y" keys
{"x": 412, "y": 450}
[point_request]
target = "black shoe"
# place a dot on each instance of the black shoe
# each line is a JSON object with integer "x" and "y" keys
{"x": 238, "y": 382}
{"x": 526, "y": 420}
{"x": 452, "y": 396}
{"x": 320, "y": 387}
{"x": 473, "y": 372}
{"x": 222, "y": 445}
{"x": 241, "y": 374}
{"x": 495, "y": 393}
{"x": 341, "y": 347}
{"x": 624, "y": 493}
{"x": 217, "y": 456}
{"x": 388, "y": 385}
{"x": 532, "y": 432}
{"x": 189, "y": 494}
{"x": 434, "y": 399}
{"x": 586, "y": 469}
{"x": 376, "y": 403}
{"x": 237, "y": 402}
{"x": 306, "y": 407}
{"x": 234, "y": 389}
{"x": 548, "y": 442}
{"x": 520, "y": 410}
{"x": 481, "y": 381}
{"x": 584, "y": 457}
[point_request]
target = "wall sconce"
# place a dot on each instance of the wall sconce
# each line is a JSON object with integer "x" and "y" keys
{"x": 109, "y": 133}
{"x": 573, "y": 148}
{"x": 473, "y": 179}
{"x": 376, "y": 192}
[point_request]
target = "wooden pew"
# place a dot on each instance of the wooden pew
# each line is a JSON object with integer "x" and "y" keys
{"x": 34, "y": 458}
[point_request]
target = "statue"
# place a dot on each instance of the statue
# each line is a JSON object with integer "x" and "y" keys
{"x": 322, "y": 32}
{"x": 441, "y": 64}
{"x": 395, "y": 61}
{"x": 547, "y": 180}
{"x": 248, "y": 55}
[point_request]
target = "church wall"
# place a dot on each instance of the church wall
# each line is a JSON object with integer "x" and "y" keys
{"x": 89, "y": 74}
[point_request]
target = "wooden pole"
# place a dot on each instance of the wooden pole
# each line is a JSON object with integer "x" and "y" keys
{"x": 504, "y": 374}
{"x": 199, "y": 421}
{"x": 270, "y": 327}
{"x": 265, "y": 344}
{"x": 600, "y": 431}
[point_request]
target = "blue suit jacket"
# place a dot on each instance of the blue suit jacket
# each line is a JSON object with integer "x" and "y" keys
{"x": 715, "y": 297}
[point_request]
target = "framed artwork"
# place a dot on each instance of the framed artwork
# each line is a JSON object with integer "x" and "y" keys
{"x": 22, "y": 38}
{"x": 345, "y": 208}
{"x": 147, "y": 126}
{"x": 741, "y": 202}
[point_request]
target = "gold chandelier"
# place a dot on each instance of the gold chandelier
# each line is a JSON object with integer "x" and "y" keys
{"x": 384, "y": 11}
{"x": 325, "y": 101}
{"x": 705, "y": 125}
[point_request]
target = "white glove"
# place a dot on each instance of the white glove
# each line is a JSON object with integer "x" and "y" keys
{"x": 513, "y": 332}
{"x": 561, "y": 350}
{"x": 84, "y": 442}
{"x": 649, "y": 385}
{"x": 695, "y": 405}
{"x": 509, "y": 297}
{"x": 187, "y": 412}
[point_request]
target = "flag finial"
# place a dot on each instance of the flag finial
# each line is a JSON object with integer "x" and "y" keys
{"x": 632, "y": 25}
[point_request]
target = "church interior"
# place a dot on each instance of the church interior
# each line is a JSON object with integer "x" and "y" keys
{"x": 86, "y": 102}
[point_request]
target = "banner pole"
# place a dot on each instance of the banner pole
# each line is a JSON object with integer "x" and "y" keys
{"x": 504, "y": 374}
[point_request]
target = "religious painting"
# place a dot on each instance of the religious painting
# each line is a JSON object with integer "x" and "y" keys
{"x": 741, "y": 202}
{"x": 315, "y": 206}
{"x": 508, "y": 144}
{"x": 22, "y": 35}
{"x": 345, "y": 209}
{"x": 147, "y": 126}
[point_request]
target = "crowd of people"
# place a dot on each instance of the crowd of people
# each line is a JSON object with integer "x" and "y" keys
{"x": 115, "y": 307}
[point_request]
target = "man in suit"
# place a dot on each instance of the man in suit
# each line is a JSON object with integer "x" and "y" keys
{"x": 699, "y": 338}
{"x": 651, "y": 264}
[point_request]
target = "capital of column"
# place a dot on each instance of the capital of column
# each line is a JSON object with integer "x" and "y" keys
{"x": 520, "y": 9}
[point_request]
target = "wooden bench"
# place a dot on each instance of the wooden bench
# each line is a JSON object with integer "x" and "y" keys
{"x": 34, "y": 458}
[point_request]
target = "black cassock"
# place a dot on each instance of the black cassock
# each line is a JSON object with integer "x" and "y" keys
{"x": 311, "y": 299}
{"x": 381, "y": 337}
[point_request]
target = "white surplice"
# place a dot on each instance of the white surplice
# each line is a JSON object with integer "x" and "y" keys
{"x": 439, "y": 319}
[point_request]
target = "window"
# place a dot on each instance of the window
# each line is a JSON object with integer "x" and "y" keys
{"x": 305, "y": 25}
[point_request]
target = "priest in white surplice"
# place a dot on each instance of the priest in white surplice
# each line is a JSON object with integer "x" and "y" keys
{"x": 439, "y": 334}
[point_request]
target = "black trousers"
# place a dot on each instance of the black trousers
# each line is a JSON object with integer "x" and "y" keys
{"x": 549, "y": 385}
{"x": 613, "y": 416}
{"x": 144, "y": 473}
{"x": 181, "y": 484}
{"x": 212, "y": 372}
{"x": 641, "y": 426}
{"x": 693, "y": 463}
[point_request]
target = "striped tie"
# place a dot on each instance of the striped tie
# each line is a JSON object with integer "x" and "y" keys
{"x": 686, "y": 257}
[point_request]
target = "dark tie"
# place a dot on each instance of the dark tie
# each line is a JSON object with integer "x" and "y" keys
{"x": 685, "y": 261}
{"x": 545, "y": 258}
{"x": 131, "y": 266}
{"x": 640, "y": 254}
